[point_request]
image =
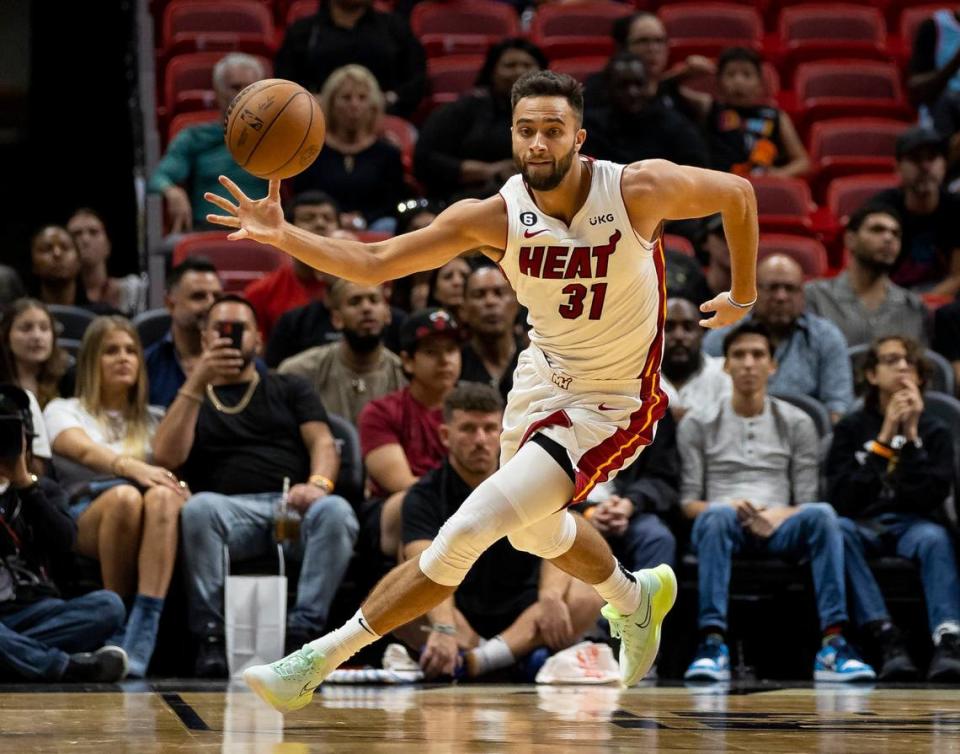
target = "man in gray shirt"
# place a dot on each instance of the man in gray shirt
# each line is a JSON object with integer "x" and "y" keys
{"x": 862, "y": 300}
{"x": 749, "y": 476}
{"x": 810, "y": 351}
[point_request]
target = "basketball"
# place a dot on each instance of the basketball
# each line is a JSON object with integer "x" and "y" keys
{"x": 274, "y": 129}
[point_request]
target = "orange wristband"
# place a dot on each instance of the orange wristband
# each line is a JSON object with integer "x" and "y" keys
{"x": 881, "y": 450}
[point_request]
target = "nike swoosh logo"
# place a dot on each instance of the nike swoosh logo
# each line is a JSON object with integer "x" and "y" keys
{"x": 605, "y": 407}
{"x": 528, "y": 234}
{"x": 367, "y": 628}
{"x": 646, "y": 620}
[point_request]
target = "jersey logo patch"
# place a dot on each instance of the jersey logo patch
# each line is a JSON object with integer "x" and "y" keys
{"x": 528, "y": 218}
{"x": 528, "y": 234}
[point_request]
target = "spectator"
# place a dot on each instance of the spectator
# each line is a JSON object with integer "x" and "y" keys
{"x": 712, "y": 250}
{"x": 689, "y": 377}
{"x": 634, "y": 125}
{"x": 56, "y": 269}
{"x": 749, "y": 479}
{"x": 862, "y": 301}
{"x": 192, "y": 286}
{"x": 946, "y": 336}
{"x": 294, "y": 283}
{"x": 347, "y": 32}
{"x": 890, "y": 469}
{"x": 488, "y": 312}
{"x": 747, "y": 136}
{"x": 11, "y": 287}
{"x": 358, "y": 167}
{"x": 237, "y": 435}
{"x": 42, "y": 637}
{"x": 126, "y": 295}
{"x": 29, "y": 354}
{"x": 198, "y": 155}
{"x": 446, "y": 284}
{"x": 933, "y": 79}
{"x": 811, "y": 353}
{"x": 409, "y": 294}
{"x": 464, "y": 148}
{"x": 511, "y": 602}
{"x": 358, "y": 368}
{"x": 930, "y": 249}
{"x": 400, "y": 433}
{"x": 126, "y": 508}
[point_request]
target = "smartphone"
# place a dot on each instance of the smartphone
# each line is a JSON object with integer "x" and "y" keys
{"x": 11, "y": 436}
{"x": 234, "y": 331}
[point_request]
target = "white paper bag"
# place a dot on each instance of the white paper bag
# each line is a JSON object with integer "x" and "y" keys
{"x": 255, "y": 615}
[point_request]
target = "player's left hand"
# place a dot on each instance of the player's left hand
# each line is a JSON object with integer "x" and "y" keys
{"x": 725, "y": 312}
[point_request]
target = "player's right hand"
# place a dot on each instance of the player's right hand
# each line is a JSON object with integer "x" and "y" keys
{"x": 258, "y": 219}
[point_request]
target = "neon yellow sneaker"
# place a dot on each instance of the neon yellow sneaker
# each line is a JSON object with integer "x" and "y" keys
{"x": 639, "y": 632}
{"x": 288, "y": 684}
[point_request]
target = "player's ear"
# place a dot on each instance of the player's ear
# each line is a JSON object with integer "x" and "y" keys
{"x": 580, "y": 138}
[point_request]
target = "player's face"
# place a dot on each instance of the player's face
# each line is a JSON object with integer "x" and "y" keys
{"x": 647, "y": 39}
{"x": 749, "y": 363}
{"x": 31, "y": 337}
{"x": 54, "y": 255}
{"x": 740, "y": 83}
{"x": 90, "y": 237}
{"x": 513, "y": 63}
{"x": 877, "y": 242}
{"x": 319, "y": 219}
{"x": 682, "y": 334}
{"x": 119, "y": 360}
{"x": 473, "y": 439}
{"x": 546, "y": 138}
{"x": 436, "y": 363}
{"x": 361, "y": 309}
{"x": 191, "y": 297}
{"x": 489, "y": 304}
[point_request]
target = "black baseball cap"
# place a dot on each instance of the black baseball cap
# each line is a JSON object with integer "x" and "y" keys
{"x": 423, "y": 324}
{"x": 13, "y": 400}
{"x": 918, "y": 137}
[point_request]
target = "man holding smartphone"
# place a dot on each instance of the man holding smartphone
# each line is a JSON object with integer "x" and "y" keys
{"x": 235, "y": 434}
{"x": 42, "y": 637}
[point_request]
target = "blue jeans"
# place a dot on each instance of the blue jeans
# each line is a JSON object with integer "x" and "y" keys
{"x": 645, "y": 543}
{"x": 36, "y": 642}
{"x": 813, "y": 531}
{"x": 913, "y": 537}
{"x": 245, "y": 524}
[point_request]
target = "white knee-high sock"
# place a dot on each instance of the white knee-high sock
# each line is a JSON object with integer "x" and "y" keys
{"x": 621, "y": 590}
{"x": 340, "y": 645}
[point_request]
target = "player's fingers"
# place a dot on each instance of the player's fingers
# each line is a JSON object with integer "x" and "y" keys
{"x": 239, "y": 235}
{"x": 710, "y": 324}
{"x": 221, "y": 203}
{"x": 230, "y": 222}
{"x": 233, "y": 188}
{"x": 274, "y": 191}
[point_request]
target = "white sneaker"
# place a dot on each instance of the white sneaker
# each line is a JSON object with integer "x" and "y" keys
{"x": 639, "y": 632}
{"x": 288, "y": 684}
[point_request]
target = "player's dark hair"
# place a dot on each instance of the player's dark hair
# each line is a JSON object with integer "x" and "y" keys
{"x": 750, "y": 327}
{"x": 549, "y": 84}
{"x": 496, "y": 51}
{"x": 230, "y": 298}
{"x": 190, "y": 264}
{"x": 472, "y": 396}
{"x": 621, "y": 27}
{"x": 311, "y": 198}
{"x": 858, "y": 217}
{"x": 739, "y": 55}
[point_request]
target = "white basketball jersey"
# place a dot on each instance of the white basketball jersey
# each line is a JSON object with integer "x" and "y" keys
{"x": 595, "y": 290}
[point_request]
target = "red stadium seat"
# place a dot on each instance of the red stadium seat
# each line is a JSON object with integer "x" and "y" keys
{"x": 448, "y": 78}
{"x": 188, "y": 81}
{"x": 185, "y": 120}
{"x": 462, "y": 26}
{"x": 580, "y": 68}
{"x": 709, "y": 28}
{"x": 223, "y": 25}
{"x": 592, "y": 18}
{"x": 403, "y": 135}
{"x": 237, "y": 262}
{"x": 852, "y": 146}
{"x": 564, "y": 48}
{"x": 854, "y": 88}
{"x": 784, "y": 204}
{"x": 847, "y": 194}
{"x": 809, "y": 253}
{"x": 818, "y": 32}
{"x": 679, "y": 244}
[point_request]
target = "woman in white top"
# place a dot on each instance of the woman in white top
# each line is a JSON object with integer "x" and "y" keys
{"x": 126, "y": 509}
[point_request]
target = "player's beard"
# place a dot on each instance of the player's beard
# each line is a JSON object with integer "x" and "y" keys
{"x": 552, "y": 179}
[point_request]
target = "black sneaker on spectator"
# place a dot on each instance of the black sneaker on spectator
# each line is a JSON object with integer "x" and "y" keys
{"x": 895, "y": 662}
{"x": 211, "y": 658}
{"x": 945, "y": 665}
{"x": 106, "y": 665}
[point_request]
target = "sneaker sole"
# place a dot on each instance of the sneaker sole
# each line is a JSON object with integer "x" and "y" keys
{"x": 706, "y": 675}
{"x": 834, "y": 677}
{"x": 660, "y": 605}
{"x": 259, "y": 688}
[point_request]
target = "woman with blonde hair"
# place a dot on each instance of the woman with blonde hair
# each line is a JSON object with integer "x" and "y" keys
{"x": 357, "y": 167}
{"x": 29, "y": 355}
{"x": 126, "y": 508}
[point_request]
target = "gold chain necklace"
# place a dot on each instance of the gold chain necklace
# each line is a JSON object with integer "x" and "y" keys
{"x": 241, "y": 404}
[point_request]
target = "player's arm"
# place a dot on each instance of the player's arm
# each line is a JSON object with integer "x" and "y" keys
{"x": 463, "y": 226}
{"x": 657, "y": 190}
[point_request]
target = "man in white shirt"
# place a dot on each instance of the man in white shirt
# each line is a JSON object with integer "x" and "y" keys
{"x": 689, "y": 377}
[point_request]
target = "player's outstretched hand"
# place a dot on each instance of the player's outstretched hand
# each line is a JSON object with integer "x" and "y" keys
{"x": 257, "y": 219}
{"x": 725, "y": 313}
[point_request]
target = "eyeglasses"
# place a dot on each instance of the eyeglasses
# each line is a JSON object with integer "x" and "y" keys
{"x": 892, "y": 359}
{"x": 774, "y": 287}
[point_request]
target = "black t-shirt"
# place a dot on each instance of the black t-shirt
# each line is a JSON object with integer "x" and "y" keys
{"x": 928, "y": 240}
{"x": 946, "y": 331}
{"x": 473, "y": 370}
{"x": 251, "y": 452}
{"x": 656, "y": 132}
{"x": 744, "y": 138}
{"x": 503, "y": 582}
{"x": 685, "y": 278}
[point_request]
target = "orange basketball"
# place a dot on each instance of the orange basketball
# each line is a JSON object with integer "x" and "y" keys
{"x": 274, "y": 129}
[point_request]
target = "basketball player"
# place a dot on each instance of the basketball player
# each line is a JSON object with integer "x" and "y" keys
{"x": 579, "y": 241}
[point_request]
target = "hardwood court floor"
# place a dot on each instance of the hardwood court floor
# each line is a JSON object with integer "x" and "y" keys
{"x": 211, "y": 717}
